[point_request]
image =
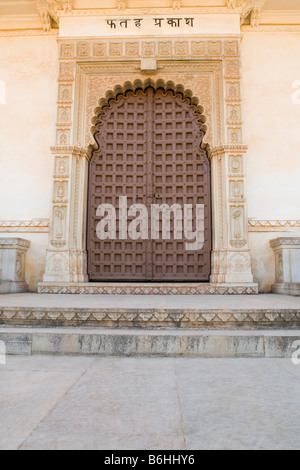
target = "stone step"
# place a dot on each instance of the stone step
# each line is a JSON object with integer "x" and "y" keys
{"x": 161, "y": 343}
{"x": 147, "y": 288}
{"x": 132, "y": 317}
{"x": 267, "y": 311}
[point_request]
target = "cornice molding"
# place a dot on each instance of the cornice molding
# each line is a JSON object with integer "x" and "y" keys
{"x": 253, "y": 17}
{"x": 256, "y": 225}
{"x": 24, "y": 226}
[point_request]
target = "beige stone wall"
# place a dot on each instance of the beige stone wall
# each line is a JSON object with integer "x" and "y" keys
{"x": 270, "y": 65}
{"x": 28, "y": 67}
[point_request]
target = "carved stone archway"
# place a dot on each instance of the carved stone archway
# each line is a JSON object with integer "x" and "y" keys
{"x": 83, "y": 78}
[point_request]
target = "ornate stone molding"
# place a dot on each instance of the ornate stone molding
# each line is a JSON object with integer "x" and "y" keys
{"x": 117, "y": 48}
{"x": 147, "y": 289}
{"x": 255, "y": 225}
{"x": 24, "y": 226}
{"x": 150, "y": 318}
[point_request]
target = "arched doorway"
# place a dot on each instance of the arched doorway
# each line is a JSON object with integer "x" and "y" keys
{"x": 150, "y": 153}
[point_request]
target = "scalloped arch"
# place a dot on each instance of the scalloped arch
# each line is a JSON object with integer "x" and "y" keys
{"x": 112, "y": 96}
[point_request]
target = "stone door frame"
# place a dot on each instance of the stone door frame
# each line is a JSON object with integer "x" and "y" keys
{"x": 87, "y": 70}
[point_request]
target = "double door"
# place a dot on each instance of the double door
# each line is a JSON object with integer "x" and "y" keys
{"x": 149, "y": 154}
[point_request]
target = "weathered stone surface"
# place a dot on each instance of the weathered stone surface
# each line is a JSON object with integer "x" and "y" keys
{"x": 164, "y": 343}
{"x": 12, "y": 265}
{"x": 148, "y": 403}
{"x": 138, "y": 311}
{"x": 287, "y": 261}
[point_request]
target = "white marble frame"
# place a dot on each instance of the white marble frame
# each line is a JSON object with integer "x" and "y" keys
{"x": 80, "y": 59}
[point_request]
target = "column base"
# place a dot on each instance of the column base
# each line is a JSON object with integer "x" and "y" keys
{"x": 12, "y": 287}
{"x": 231, "y": 267}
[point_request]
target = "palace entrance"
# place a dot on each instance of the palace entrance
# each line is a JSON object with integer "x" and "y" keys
{"x": 150, "y": 151}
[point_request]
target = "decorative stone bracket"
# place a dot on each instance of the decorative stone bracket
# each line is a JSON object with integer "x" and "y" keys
{"x": 12, "y": 265}
{"x": 287, "y": 263}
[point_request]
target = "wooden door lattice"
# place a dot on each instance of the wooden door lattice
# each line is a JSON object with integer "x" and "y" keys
{"x": 150, "y": 151}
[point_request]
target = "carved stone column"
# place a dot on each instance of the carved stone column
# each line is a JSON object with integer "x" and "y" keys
{"x": 231, "y": 261}
{"x": 66, "y": 253}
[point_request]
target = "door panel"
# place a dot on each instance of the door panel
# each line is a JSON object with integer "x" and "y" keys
{"x": 150, "y": 151}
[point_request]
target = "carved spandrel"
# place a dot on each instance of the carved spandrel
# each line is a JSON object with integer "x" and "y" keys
{"x": 201, "y": 84}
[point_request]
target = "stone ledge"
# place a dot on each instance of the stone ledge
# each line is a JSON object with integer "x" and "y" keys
{"x": 147, "y": 288}
{"x": 177, "y": 343}
{"x": 13, "y": 243}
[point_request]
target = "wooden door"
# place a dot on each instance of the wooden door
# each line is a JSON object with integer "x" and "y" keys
{"x": 149, "y": 151}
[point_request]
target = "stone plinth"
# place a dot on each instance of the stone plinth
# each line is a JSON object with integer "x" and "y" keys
{"x": 287, "y": 259}
{"x": 12, "y": 265}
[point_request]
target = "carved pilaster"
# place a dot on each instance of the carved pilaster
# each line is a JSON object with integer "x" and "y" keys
{"x": 66, "y": 255}
{"x": 231, "y": 262}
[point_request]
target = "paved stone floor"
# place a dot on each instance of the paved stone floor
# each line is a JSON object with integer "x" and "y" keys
{"x": 265, "y": 301}
{"x": 50, "y": 402}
